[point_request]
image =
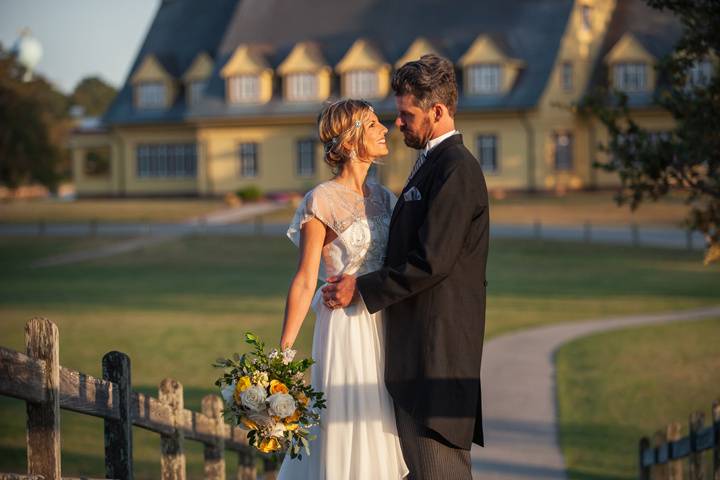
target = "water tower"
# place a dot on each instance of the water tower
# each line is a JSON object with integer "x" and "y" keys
{"x": 28, "y": 51}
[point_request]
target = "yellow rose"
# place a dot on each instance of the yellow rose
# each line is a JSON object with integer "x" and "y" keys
{"x": 249, "y": 424}
{"x": 291, "y": 427}
{"x": 269, "y": 445}
{"x": 277, "y": 387}
{"x": 243, "y": 384}
{"x": 293, "y": 418}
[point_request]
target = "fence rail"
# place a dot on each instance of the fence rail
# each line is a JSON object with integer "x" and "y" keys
{"x": 662, "y": 457}
{"x": 38, "y": 378}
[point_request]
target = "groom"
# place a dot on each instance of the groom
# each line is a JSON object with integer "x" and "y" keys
{"x": 432, "y": 286}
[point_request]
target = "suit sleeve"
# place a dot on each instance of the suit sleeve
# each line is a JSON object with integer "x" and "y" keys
{"x": 451, "y": 207}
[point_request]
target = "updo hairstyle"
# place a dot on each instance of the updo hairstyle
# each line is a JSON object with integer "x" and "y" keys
{"x": 340, "y": 127}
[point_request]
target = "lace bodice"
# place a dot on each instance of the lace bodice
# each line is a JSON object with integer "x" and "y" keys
{"x": 360, "y": 223}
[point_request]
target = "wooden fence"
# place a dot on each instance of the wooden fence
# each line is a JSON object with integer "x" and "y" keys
{"x": 664, "y": 456}
{"x": 38, "y": 378}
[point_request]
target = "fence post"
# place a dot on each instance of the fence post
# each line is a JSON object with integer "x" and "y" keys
{"x": 660, "y": 470}
{"x": 716, "y": 448}
{"x": 212, "y": 406}
{"x": 246, "y": 465}
{"x": 43, "y": 419}
{"x": 642, "y": 446}
{"x": 118, "y": 433}
{"x": 675, "y": 467}
{"x": 172, "y": 456}
{"x": 695, "y": 459}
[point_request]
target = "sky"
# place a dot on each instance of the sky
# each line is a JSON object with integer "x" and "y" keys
{"x": 80, "y": 37}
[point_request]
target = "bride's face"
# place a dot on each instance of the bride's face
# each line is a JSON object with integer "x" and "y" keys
{"x": 375, "y": 145}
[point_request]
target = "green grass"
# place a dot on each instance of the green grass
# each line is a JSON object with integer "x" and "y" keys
{"x": 176, "y": 307}
{"x": 614, "y": 388}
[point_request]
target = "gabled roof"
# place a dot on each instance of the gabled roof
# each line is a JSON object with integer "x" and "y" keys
{"x": 657, "y": 32}
{"x": 530, "y": 30}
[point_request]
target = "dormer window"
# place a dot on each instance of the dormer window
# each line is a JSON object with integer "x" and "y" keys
{"x": 484, "y": 79}
{"x": 151, "y": 95}
{"x": 196, "y": 91}
{"x": 301, "y": 86}
{"x": 244, "y": 88}
{"x": 361, "y": 84}
{"x": 699, "y": 74}
{"x": 586, "y": 15}
{"x": 630, "y": 77}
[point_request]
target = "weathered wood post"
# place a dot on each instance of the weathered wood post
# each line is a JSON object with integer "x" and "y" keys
{"x": 659, "y": 471}
{"x": 644, "y": 471}
{"x": 43, "y": 419}
{"x": 118, "y": 433}
{"x": 716, "y": 432}
{"x": 675, "y": 467}
{"x": 172, "y": 455}
{"x": 695, "y": 459}
{"x": 212, "y": 407}
{"x": 246, "y": 465}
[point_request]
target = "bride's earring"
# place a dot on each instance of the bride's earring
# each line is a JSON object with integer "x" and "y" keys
{"x": 353, "y": 155}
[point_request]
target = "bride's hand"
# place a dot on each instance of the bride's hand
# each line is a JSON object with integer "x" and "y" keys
{"x": 339, "y": 292}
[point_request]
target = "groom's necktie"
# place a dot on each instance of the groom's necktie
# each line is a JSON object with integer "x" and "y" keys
{"x": 418, "y": 163}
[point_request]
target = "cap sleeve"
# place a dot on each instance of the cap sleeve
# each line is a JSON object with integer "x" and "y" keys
{"x": 312, "y": 206}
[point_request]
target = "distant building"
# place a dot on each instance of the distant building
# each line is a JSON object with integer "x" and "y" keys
{"x": 225, "y": 94}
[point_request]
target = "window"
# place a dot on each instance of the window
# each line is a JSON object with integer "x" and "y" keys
{"x": 306, "y": 158}
{"x": 699, "y": 74}
{"x": 629, "y": 77}
{"x": 586, "y": 14}
{"x": 563, "y": 151}
{"x": 175, "y": 160}
{"x": 566, "y": 76}
{"x": 244, "y": 88}
{"x": 248, "y": 160}
{"x": 487, "y": 152}
{"x": 302, "y": 86}
{"x": 361, "y": 84}
{"x": 151, "y": 95}
{"x": 197, "y": 87}
{"x": 97, "y": 162}
{"x": 484, "y": 79}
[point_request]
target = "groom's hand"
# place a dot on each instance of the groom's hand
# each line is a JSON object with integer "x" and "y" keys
{"x": 339, "y": 292}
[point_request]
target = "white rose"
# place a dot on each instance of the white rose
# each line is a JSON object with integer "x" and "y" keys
{"x": 277, "y": 430}
{"x": 260, "y": 378}
{"x": 227, "y": 393}
{"x": 281, "y": 405}
{"x": 253, "y": 398}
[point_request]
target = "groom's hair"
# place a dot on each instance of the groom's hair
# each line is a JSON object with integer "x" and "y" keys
{"x": 430, "y": 80}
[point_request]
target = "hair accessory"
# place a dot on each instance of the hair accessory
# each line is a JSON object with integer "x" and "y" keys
{"x": 358, "y": 124}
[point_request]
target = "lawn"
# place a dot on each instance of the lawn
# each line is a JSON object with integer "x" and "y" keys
{"x": 614, "y": 388}
{"x": 574, "y": 208}
{"x": 175, "y": 307}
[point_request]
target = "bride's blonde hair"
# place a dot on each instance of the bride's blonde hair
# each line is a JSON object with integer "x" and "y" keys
{"x": 340, "y": 127}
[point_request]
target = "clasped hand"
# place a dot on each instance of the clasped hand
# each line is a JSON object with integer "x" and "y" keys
{"x": 339, "y": 292}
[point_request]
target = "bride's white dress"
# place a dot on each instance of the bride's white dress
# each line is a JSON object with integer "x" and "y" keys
{"x": 357, "y": 438}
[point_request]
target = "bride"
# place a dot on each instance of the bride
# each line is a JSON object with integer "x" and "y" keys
{"x": 341, "y": 227}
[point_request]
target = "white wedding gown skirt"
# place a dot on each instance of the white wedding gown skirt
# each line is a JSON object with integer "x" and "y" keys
{"x": 357, "y": 438}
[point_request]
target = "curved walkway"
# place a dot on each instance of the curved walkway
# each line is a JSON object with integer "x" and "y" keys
{"x": 519, "y": 404}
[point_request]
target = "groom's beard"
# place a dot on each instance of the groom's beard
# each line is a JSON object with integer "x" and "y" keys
{"x": 420, "y": 139}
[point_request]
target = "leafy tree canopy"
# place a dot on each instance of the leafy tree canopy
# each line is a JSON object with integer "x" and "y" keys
{"x": 93, "y": 95}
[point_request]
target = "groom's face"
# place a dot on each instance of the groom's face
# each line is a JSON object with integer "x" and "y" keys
{"x": 414, "y": 123}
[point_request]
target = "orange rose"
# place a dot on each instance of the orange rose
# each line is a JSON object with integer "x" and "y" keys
{"x": 304, "y": 400}
{"x": 292, "y": 418}
{"x": 269, "y": 445}
{"x": 249, "y": 424}
{"x": 277, "y": 387}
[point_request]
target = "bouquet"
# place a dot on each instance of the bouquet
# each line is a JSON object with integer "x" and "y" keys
{"x": 267, "y": 395}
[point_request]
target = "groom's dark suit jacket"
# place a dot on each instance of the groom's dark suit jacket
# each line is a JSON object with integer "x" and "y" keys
{"x": 432, "y": 288}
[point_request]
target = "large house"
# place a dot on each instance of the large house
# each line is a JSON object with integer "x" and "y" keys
{"x": 224, "y": 94}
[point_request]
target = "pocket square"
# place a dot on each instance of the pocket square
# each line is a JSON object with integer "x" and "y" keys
{"x": 412, "y": 194}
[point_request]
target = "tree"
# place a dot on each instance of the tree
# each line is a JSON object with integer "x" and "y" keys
{"x": 33, "y": 116}
{"x": 687, "y": 160}
{"x": 94, "y": 95}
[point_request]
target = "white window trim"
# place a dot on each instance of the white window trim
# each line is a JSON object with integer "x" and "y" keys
{"x": 243, "y": 170}
{"x": 151, "y": 95}
{"x": 361, "y": 83}
{"x": 301, "y": 169}
{"x": 624, "y": 71}
{"x": 302, "y": 86}
{"x": 484, "y": 78}
{"x": 481, "y": 149}
{"x": 244, "y": 88}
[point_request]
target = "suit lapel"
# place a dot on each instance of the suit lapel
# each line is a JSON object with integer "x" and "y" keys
{"x": 424, "y": 169}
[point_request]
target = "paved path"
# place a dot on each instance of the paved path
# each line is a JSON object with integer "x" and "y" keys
{"x": 519, "y": 401}
{"x": 215, "y": 219}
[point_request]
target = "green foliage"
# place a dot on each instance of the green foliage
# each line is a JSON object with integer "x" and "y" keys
{"x": 249, "y": 194}
{"x": 93, "y": 95}
{"x": 32, "y": 119}
{"x": 686, "y": 160}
